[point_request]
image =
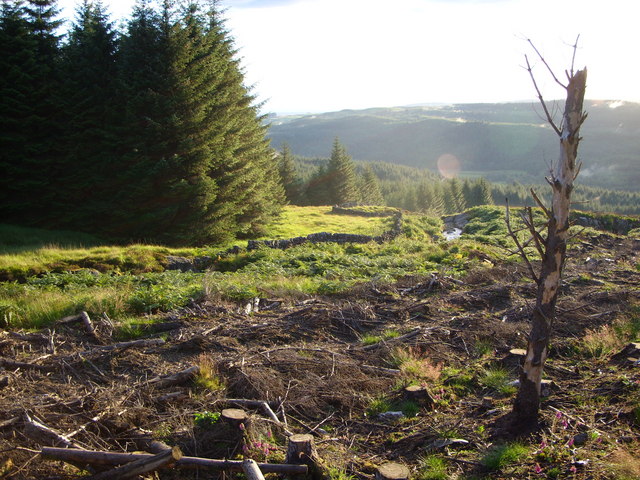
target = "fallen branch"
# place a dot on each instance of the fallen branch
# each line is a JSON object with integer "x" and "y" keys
{"x": 251, "y": 470}
{"x": 141, "y": 466}
{"x": 175, "y": 379}
{"x": 111, "y": 458}
{"x": 264, "y": 405}
{"x": 41, "y": 433}
{"x": 88, "y": 324}
{"x": 125, "y": 345}
{"x": 407, "y": 336}
{"x": 12, "y": 365}
{"x": 10, "y": 422}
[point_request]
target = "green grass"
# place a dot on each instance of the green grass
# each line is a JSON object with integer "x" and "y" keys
{"x": 498, "y": 379}
{"x": 129, "y": 281}
{"x": 501, "y": 456}
{"x": 14, "y": 240}
{"x": 301, "y": 221}
{"x": 432, "y": 468}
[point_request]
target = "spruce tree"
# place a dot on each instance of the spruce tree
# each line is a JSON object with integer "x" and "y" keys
{"x": 288, "y": 175}
{"x": 89, "y": 89}
{"x": 29, "y": 108}
{"x": 206, "y": 171}
{"x": 484, "y": 195}
{"x": 370, "y": 193}
{"x": 18, "y": 65}
{"x": 341, "y": 176}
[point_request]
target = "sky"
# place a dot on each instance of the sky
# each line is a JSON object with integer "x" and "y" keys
{"x": 311, "y": 56}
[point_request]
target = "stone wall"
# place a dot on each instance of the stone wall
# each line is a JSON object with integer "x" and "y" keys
{"x": 324, "y": 237}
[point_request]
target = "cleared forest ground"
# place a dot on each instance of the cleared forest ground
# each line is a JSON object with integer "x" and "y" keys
{"x": 333, "y": 366}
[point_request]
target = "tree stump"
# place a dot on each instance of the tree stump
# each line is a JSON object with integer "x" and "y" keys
{"x": 234, "y": 417}
{"x": 301, "y": 449}
{"x": 392, "y": 471}
{"x": 419, "y": 394}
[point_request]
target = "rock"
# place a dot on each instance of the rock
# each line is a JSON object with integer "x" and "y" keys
{"x": 446, "y": 442}
{"x": 179, "y": 263}
{"x": 580, "y": 439}
{"x": 391, "y": 415}
{"x": 629, "y": 355}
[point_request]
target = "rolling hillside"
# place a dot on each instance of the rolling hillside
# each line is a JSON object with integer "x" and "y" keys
{"x": 502, "y": 142}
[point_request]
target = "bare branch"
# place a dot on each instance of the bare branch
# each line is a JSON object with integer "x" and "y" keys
{"x": 540, "y": 204}
{"x": 535, "y": 234}
{"x": 553, "y": 75}
{"x": 573, "y": 59}
{"x": 521, "y": 251}
{"x": 578, "y": 168}
{"x": 542, "y": 102}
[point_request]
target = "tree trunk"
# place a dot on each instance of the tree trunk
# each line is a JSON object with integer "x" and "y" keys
{"x": 527, "y": 402}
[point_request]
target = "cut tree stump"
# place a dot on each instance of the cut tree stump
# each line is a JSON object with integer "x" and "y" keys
{"x": 392, "y": 471}
{"x": 301, "y": 449}
{"x": 234, "y": 417}
{"x": 419, "y": 394}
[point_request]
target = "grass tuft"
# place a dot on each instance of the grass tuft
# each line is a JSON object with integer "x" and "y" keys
{"x": 500, "y": 456}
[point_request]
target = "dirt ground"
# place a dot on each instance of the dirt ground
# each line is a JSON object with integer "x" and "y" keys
{"x": 309, "y": 362}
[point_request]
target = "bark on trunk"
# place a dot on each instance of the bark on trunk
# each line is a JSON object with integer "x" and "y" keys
{"x": 527, "y": 402}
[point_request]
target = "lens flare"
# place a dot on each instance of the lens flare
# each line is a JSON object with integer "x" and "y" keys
{"x": 448, "y": 165}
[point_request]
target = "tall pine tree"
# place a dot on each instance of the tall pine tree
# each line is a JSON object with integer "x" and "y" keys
{"x": 89, "y": 90}
{"x": 29, "y": 108}
{"x": 341, "y": 175}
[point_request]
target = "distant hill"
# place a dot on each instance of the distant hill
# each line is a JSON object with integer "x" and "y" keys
{"x": 502, "y": 142}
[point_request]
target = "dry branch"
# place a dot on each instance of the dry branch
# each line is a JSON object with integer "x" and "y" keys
{"x": 41, "y": 433}
{"x": 91, "y": 457}
{"x": 407, "y": 336}
{"x": 88, "y": 325}
{"x": 12, "y": 365}
{"x": 175, "y": 379}
{"x": 261, "y": 404}
{"x": 251, "y": 470}
{"x": 141, "y": 466}
{"x": 152, "y": 342}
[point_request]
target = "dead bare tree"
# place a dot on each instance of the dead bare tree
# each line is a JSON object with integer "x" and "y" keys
{"x": 551, "y": 248}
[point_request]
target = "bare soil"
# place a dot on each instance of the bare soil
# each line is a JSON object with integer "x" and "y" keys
{"x": 308, "y": 361}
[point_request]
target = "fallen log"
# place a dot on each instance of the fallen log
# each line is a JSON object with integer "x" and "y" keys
{"x": 251, "y": 470}
{"x": 175, "y": 379}
{"x": 42, "y": 433}
{"x": 12, "y": 365}
{"x": 151, "y": 342}
{"x": 141, "y": 466}
{"x": 91, "y": 457}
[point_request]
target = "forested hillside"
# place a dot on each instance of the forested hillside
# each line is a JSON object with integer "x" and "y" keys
{"x": 142, "y": 134}
{"x": 311, "y": 181}
{"x": 502, "y": 142}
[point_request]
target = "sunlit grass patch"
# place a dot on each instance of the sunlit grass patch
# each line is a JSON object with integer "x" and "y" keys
{"x": 432, "y": 467}
{"x": 208, "y": 377}
{"x": 298, "y": 221}
{"x": 501, "y": 456}
{"x": 498, "y": 379}
{"x": 414, "y": 365}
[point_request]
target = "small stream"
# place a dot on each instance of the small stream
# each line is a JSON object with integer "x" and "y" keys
{"x": 452, "y": 234}
{"x": 453, "y": 226}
